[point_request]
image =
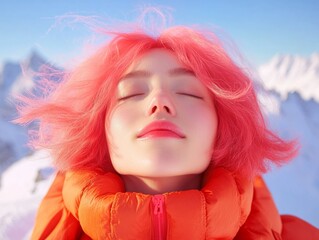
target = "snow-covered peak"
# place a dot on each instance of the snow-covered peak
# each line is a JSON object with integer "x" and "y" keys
{"x": 16, "y": 77}
{"x": 9, "y": 72}
{"x": 20, "y": 77}
{"x": 315, "y": 58}
{"x": 34, "y": 61}
{"x": 288, "y": 73}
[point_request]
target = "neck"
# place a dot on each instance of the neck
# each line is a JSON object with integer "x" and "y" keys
{"x": 161, "y": 185}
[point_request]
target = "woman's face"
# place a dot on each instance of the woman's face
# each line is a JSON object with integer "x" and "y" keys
{"x": 164, "y": 122}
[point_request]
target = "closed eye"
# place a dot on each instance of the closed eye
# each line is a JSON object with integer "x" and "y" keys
{"x": 190, "y": 95}
{"x": 130, "y": 96}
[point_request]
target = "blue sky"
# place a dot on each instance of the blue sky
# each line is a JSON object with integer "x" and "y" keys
{"x": 260, "y": 29}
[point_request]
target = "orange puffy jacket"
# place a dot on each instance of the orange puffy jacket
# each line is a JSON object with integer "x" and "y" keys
{"x": 94, "y": 205}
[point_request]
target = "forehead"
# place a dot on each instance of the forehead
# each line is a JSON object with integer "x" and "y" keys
{"x": 156, "y": 60}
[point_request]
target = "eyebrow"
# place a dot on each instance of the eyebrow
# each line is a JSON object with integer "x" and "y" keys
{"x": 181, "y": 71}
{"x": 172, "y": 72}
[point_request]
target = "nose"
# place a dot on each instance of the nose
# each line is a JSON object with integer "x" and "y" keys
{"x": 161, "y": 103}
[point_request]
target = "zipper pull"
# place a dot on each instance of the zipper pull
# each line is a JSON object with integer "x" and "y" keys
{"x": 158, "y": 201}
{"x": 159, "y": 217}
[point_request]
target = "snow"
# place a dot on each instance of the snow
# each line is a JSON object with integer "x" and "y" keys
{"x": 21, "y": 192}
{"x": 295, "y": 186}
{"x": 287, "y": 73}
{"x": 17, "y": 218}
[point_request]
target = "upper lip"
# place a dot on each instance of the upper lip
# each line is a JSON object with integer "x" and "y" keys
{"x": 161, "y": 125}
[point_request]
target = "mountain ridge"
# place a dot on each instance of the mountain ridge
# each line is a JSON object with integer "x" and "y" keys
{"x": 292, "y": 73}
{"x": 16, "y": 78}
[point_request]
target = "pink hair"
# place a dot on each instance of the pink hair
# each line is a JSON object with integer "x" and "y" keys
{"x": 72, "y": 118}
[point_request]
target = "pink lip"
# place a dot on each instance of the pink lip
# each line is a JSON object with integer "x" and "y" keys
{"x": 161, "y": 129}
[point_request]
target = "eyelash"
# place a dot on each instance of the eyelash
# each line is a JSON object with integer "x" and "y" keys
{"x": 179, "y": 93}
{"x": 130, "y": 96}
{"x": 190, "y": 95}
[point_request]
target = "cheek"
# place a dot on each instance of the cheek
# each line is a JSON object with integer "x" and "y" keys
{"x": 212, "y": 122}
{"x": 206, "y": 131}
{"x": 201, "y": 113}
{"x": 119, "y": 133}
{"x": 203, "y": 122}
{"x": 121, "y": 121}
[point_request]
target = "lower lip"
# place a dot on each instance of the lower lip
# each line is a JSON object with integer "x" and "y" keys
{"x": 160, "y": 133}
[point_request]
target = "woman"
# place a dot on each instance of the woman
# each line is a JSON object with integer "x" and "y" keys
{"x": 159, "y": 138}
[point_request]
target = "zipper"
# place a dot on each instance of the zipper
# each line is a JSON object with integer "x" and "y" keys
{"x": 159, "y": 217}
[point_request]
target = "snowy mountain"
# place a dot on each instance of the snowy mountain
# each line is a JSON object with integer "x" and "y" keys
{"x": 289, "y": 94}
{"x": 286, "y": 74}
{"x": 295, "y": 186}
{"x": 15, "y": 78}
{"x": 290, "y": 97}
